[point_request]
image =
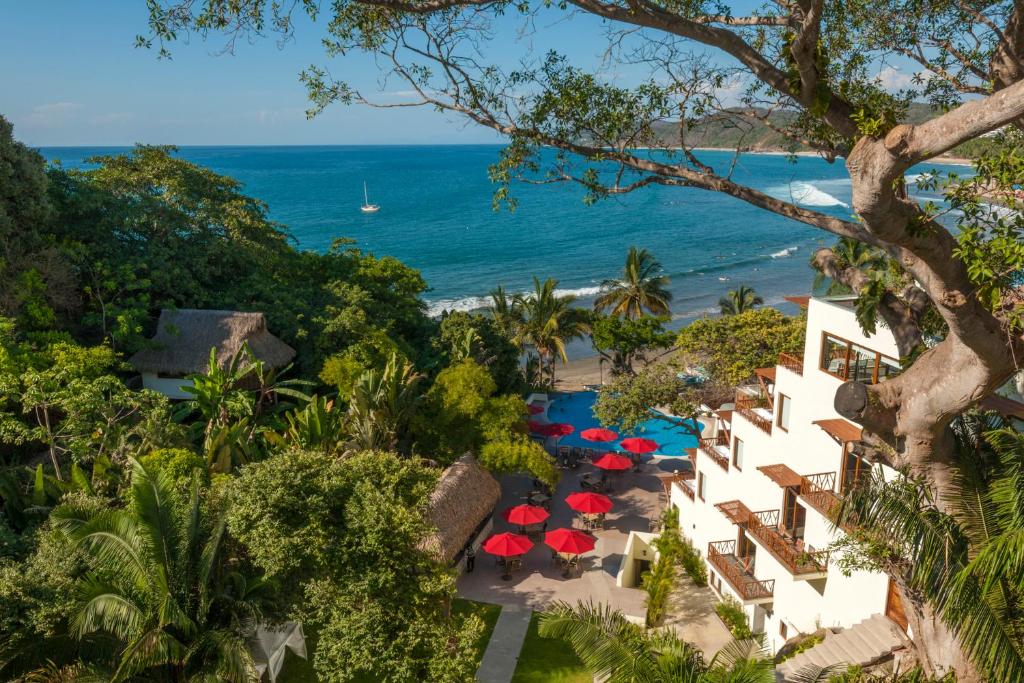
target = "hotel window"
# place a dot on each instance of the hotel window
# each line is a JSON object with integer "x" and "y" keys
{"x": 700, "y": 485}
{"x": 737, "y": 453}
{"x": 783, "y": 631}
{"x": 784, "y": 407}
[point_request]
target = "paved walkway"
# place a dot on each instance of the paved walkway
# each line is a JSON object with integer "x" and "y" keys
{"x": 502, "y": 653}
{"x": 691, "y": 612}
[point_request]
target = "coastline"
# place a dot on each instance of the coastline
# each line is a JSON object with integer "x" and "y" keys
{"x": 944, "y": 160}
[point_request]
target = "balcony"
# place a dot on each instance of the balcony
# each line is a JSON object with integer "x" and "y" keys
{"x": 819, "y": 492}
{"x": 717, "y": 448}
{"x": 801, "y": 561}
{"x": 685, "y": 487}
{"x": 722, "y": 556}
{"x": 792, "y": 362}
{"x": 755, "y": 409}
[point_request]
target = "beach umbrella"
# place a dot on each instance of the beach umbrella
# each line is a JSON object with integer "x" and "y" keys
{"x": 569, "y": 541}
{"x": 526, "y": 514}
{"x": 536, "y": 427}
{"x": 611, "y": 461}
{"x": 535, "y": 409}
{"x": 638, "y": 445}
{"x": 507, "y": 545}
{"x": 599, "y": 434}
{"x": 589, "y": 503}
{"x": 557, "y": 429}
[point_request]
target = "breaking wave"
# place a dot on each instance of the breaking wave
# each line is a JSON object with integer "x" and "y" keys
{"x": 474, "y": 303}
{"x": 788, "y": 251}
{"x": 806, "y": 194}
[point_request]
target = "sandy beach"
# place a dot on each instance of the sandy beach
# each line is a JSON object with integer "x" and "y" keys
{"x": 577, "y": 373}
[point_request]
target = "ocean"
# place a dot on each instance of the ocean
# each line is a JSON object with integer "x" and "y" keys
{"x": 436, "y": 215}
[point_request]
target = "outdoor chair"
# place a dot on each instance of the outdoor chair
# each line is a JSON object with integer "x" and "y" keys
{"x": 588, "y": 454}
{"x": 515, "y": 563}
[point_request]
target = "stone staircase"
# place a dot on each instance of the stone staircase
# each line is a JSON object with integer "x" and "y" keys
{"x": 863, "y": 643}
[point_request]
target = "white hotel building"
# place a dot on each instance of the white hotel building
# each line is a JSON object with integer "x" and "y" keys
{"x": 768, "y": 471}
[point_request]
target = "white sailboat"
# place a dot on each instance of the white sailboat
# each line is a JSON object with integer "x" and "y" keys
{"x": 367, "y": 207}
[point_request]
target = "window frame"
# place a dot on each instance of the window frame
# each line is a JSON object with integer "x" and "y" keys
{"x": 738, "y": 464}
{"x": 780, "y": 402}
{"x": 700, "y": 485}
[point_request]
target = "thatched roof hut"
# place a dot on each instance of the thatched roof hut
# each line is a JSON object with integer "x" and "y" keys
{"x": 185, "y": 336}
{"x": 465, "y": 496}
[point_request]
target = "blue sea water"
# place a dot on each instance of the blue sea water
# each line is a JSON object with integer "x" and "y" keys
{"x": 437, "y": 216}
{"x": 577, "y": 409}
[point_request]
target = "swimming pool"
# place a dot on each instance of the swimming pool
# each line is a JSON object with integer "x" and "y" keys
{"x": 578, "y": 410}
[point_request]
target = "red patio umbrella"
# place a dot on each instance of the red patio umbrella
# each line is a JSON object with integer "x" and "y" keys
{"x": 569, "y": 541}
{"x": 557, "y": 429}
{"x": 638, "y": 445}
{"x": 589, "y": 503}
{"x": 536, "y": 427}
{"x": 526, "y": 514}
{"x": 611, "y": 461}
{"x": 599, "y": 434}
{"x": 535, "y": 409}
{"x": 507, "y": 545}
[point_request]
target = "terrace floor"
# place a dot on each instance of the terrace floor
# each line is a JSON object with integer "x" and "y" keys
{"x": 540, "y": 582}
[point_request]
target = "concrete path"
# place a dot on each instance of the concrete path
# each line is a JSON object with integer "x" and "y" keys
{"x": 691, "y": 612}
{"x": 502, "y": 653}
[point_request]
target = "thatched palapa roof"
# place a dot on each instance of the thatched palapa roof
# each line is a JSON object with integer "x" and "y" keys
{"x": 185, "y": 336}
{"x": 465, "y": 495}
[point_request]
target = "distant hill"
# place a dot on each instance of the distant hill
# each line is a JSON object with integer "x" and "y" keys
{"x": 755, "y": 136}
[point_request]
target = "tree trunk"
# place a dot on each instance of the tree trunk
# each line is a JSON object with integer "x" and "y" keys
{"x": 937, "y": 649}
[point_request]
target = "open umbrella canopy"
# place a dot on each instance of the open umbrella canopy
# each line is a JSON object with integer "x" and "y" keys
{"x": 535, "y": 409}
{"x": 526, "y": 514}
{"x": 536, "y": 427}
{"x": 611, "y": 461}
{"x": 507, "y": 545}
{"x": 638, "y": 445}
{"x": 557, "y": 429}
{"x": 589, "y": 503}
{"x": 569, "y": 541}
{"x": 599, "y": 434}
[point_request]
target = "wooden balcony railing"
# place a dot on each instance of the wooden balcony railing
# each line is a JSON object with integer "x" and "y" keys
{"x": 792, "y": 362}
{"x": 709, "y": 447}
{"x": 685, "y": 487}
{"x": 745, "y": 405}
{"x": 764, "y": 527}
{"x": 819, "y": 490}
{"x": 722, "y": 556}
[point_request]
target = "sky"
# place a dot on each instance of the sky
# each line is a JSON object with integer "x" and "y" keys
{"x": 70, "y": 75}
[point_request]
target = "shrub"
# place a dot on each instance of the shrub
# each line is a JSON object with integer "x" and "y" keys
{"x": 731, "y": 612}
{"x": 693, "y": 563}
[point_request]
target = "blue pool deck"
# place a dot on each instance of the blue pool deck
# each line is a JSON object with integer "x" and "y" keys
{"x": 577, "y": 409}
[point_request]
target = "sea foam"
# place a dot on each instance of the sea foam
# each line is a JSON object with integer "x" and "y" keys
{"x": 810, "y": 195}
{"x": 475, "y": 303}
{"x": 788, "y": 251}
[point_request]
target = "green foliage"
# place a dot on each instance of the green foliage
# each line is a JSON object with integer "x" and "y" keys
{"x": 661, "y": 579}
{"x": 626, "y": 402}
{"x": 343, "y": 537}
{"x": 731, "y": 612}
{"x": 624, "y": 341}
{"x": 730, "y": 348}
{"x": 179, "y": 465}
{"x": 545, "y": 322}
{"x": 641, "y": 289}
{"x": 739, "y": 300}
{"x": 517, "y": 454}
{"x": 481, "y": 338}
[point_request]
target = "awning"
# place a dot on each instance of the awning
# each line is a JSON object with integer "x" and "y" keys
{"x": 725, "y": 415}
{"x": 841, "y": 430}
{"x": 781, "y": 475}
{"x": 737, "y": 512}
{"x": 1006, "y": 407}
{"x": 801, "y": 301}
{"x": 767, "y": 373}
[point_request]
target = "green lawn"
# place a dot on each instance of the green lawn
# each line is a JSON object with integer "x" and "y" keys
{"x": 546, "y": 660}
{"x": 298, "y": 670}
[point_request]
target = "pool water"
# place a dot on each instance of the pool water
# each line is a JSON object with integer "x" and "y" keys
{"x": 578, "y": 410}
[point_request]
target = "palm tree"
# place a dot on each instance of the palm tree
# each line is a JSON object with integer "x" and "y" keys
{"x": 383, "y": 404}
{"x": 966, "y": 565}
{"x": 158, "y": 586}
{"x": 546, "y": 322}
{"x": 739, "y": 300}
{"x": 619, "y": 651}
{"x": 641, "y": 288}
{"x": 851, "y": 252}
{"x": 503, "y": 311}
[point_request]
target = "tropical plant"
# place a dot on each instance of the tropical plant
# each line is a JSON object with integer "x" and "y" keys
{"x": 503, "y": 311}
{"x": 619, "y": 651}
{"x": 624, "y": 342}
{"x": 317, "y": 426}
{"x": 547, "y": 322}
{"x": 739, "y": 300}
{"x": 383, "y": 404}
{"x": 217, "y": 394}
{"x": 159, "y": 586}
{"x": 641, "y": 288}
{"x": 964, "y": 565}
{"x": 848, "y": 252}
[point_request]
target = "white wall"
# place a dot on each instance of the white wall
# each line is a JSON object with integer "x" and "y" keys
{"x": 804, "y": 605}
